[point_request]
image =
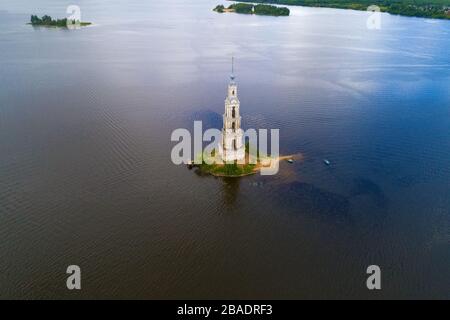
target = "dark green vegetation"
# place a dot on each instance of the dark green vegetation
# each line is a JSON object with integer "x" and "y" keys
{"x": 228, "y": 170}
{"x": 220, "y": 8}
{"x": 437, "y": 9}
{"x": 267, "y": 10}
{"x": 49, "y": 22}
{"x": 260, "y": 9}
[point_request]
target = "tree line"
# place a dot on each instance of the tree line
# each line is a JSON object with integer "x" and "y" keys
{"x": 439, "y": 9}
{"x": 260, "y": 9}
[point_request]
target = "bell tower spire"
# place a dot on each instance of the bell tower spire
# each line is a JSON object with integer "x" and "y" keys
{"x": 232, "y": 77}
{"x": 232, "y": 147}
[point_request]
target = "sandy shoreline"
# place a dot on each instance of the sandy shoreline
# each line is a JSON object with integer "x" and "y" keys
{"x": 258, "y": 167}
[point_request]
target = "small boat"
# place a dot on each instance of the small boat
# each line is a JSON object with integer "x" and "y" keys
{"x": 327, "y": 162}
{"x": 290, "y": 160}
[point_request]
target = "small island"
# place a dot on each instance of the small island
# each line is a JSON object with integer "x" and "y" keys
{"x": 47, "y": 21}
{"x": 232, "y": 157}
{"x": 213, "y": 165}
{"x": 260, "y": 9}
{"x": 219, "y": 169}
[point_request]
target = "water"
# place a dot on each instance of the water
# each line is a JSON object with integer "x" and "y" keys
{"x": 86, "y": 176}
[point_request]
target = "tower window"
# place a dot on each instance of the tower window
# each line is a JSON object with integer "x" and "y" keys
{"x": 233, "y": 112}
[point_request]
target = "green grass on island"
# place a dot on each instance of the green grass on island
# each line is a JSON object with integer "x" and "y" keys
{"x": 253, "y": 163}
{"x": 260, "y": 9}
{"x": 47, "y": 21}
{"x": 229, "y": 169}
{"x": 435, "y": 9}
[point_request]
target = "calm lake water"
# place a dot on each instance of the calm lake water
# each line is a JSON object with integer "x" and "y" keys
{"x": 86, "y": 177}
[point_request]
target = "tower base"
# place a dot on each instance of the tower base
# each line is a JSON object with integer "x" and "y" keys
{"x": 232, "y": 148}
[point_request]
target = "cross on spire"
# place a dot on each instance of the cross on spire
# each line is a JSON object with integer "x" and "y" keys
{"x": 232, "y": 68}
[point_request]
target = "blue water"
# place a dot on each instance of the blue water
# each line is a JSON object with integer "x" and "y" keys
{"x": 86, "y": 177}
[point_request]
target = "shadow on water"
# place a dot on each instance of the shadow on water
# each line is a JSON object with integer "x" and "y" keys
{"x": 366, "y": 187}
{"x": 307, "y": 199}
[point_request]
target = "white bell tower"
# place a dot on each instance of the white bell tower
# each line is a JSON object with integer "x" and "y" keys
{"x": 232, "y": 147}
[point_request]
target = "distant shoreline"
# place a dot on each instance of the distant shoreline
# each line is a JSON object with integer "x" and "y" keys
{"x": 408, "y": 8}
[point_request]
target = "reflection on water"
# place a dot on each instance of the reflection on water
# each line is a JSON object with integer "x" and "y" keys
{"x": 230, "y": 189}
